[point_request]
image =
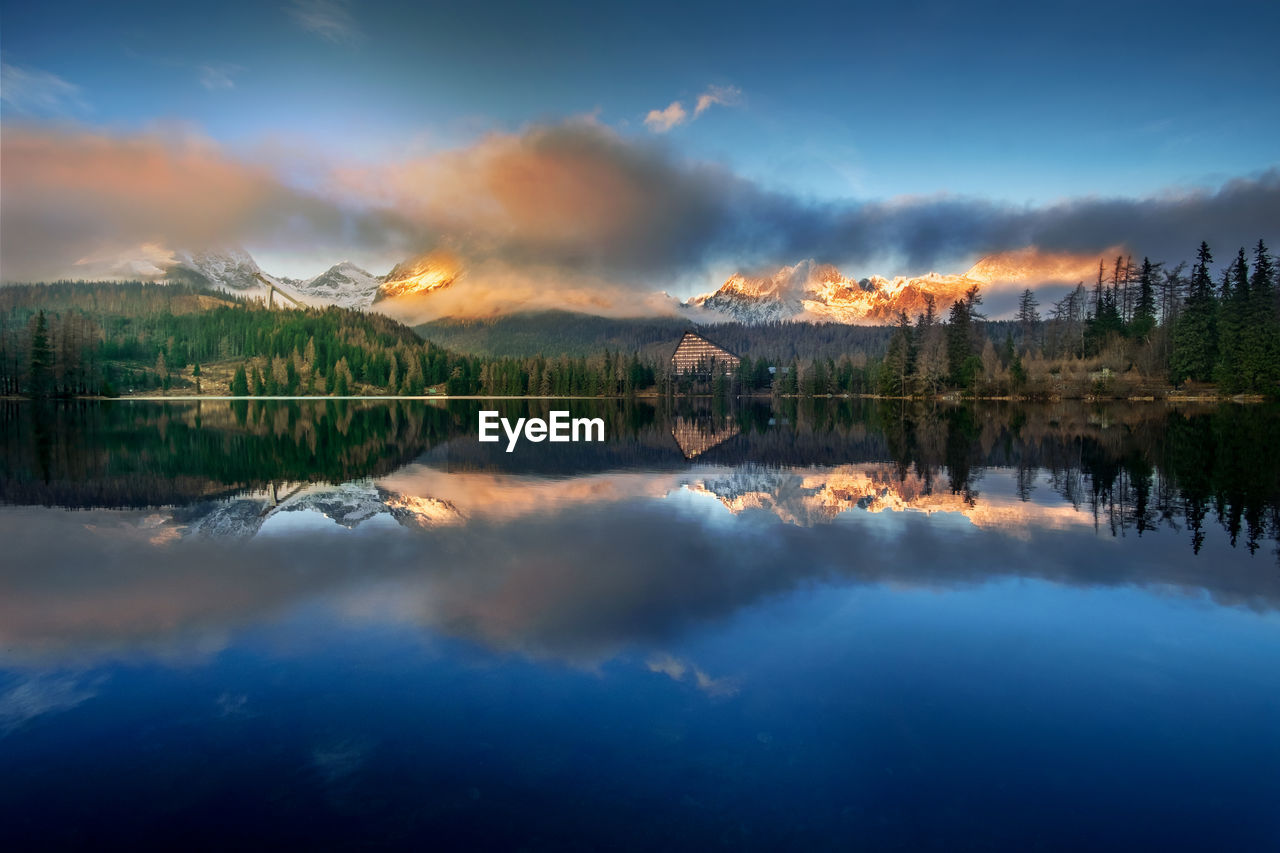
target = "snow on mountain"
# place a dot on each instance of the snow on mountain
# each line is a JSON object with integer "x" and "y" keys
{"x": 424, "y": 274}
{"x": 232, "y": 269}
{"x": 235, "y": 271}
{"x": 812, "y": 291}
{"x": 343, "y": 284}
{"x": 808, "y": 497}
{"x": 761, "y": 299}
{"x": 347, "y": 505}
{"x": 804, "y": 291}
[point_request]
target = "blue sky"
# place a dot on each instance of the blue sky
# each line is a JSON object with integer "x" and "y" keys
{"x": 1018, "y": 103}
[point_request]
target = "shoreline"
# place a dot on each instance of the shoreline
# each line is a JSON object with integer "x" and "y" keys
{"x": 941, "y": 398}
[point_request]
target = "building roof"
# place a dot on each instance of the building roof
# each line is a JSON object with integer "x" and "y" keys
{"x": 694, "y": 348}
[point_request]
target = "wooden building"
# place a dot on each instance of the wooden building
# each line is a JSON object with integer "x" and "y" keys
{"x": 697, "y": 355}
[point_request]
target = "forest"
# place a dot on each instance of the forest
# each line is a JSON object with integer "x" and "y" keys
{"x": 1144, "y": 329}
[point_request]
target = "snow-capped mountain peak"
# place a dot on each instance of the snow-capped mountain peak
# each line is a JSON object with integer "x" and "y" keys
{"x": 424, "y": 274}
{"x": 231, "y": 269}
{"x": 812, "y": 291}
{"x": 343, "y": 284}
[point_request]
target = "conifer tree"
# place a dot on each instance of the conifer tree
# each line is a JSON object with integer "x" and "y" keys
{"x": 1233, "y": 318}
{"x": 1028, "y": 317}
{"x": 41, "y": 378}
{"x": 961, "y": 348}
{"x": 1195, "y": 339}
{"x": 1260, "y": 345}
{"x": 1144, "y": 309}
{"x": 240, "y": 383}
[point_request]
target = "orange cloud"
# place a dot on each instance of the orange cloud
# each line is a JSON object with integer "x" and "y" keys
{"x": 660, "y": 121}
{"x": 1029, "y": 267}
{"x": 574, "y": 204}
{"x": 573, "y": 195}
{"x": 71, "y": 194}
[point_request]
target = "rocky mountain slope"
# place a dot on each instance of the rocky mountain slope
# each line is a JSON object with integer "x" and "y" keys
{"x": 806, "y": 291}
{"x": 820, "y": 292}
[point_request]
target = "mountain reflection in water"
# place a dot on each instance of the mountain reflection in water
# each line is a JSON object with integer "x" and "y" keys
{"x": 143, "y": 535}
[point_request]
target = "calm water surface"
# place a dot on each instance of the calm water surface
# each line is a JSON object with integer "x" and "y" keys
{"x": 832, "y": 625}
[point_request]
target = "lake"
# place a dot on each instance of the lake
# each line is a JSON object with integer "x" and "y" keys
{"x": 794, "y": 624}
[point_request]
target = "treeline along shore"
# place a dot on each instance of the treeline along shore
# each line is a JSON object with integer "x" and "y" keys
{"x": 1143, "y": 329}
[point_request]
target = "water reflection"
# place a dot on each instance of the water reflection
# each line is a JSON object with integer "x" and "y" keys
{"x": 1124, "y": 468}
{"x": 203, "y": 522}
{"x": 801, "y": 626}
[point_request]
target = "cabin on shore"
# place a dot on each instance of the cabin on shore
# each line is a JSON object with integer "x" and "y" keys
{"x": 698, "y": 356}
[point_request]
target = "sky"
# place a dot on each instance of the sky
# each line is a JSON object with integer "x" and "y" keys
{"x": 653, "y": 146}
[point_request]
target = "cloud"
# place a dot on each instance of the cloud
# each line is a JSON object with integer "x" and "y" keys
{"x": 578, "y": 196}
{"x": 218, "y": 77}
{"x": 660, "y": 121}
{"x": 678, "y": 669}
{"x": 726, "y": 96}
{"x": 76, "y": 199}
{"x": 492, "y": 286}
{"x": 571, "y": 207}
{"x": 575, "y": 196}
{"x": 675, "y": 114}
{"x": 34, "y": 92}
{"x": 40, "y": 695}
{"x": 328, "y": 19}
{"x": 145, "y": 262}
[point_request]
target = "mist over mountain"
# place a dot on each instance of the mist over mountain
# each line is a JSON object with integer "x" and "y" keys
{"x": 343, "y": 284}
{"x": 821, "y": 293}
{"x": 415, "y": 289}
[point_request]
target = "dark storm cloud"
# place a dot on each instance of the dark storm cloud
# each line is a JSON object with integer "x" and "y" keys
{"x": 925, "y": 232}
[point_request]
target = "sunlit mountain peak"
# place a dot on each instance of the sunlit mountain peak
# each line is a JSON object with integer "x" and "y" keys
{"x": 424, "y": 274}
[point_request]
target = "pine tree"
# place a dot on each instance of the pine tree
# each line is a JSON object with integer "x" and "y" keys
{"x": 240, "y": 383}
{"x": 342, "y": 378}
{"x": 1017, "y": 372}
{"x": 1233, "y": 317}
{"x": 41, "y": 378}
{"x": 1028, "y": 318}
{"x": 962, "y": 350}
{"x": 1098, "y": 296}
{"x": 1144, "y": 309}
{"x": 1195, "y": 339}
{"x": 899, "y": 361}
{"x": 1260, "y": 350}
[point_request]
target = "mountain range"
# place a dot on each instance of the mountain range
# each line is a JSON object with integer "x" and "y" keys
{"x": 344, "y": 284}
{"x": 821, "y": 293}
{"x": 806, "y": 291}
